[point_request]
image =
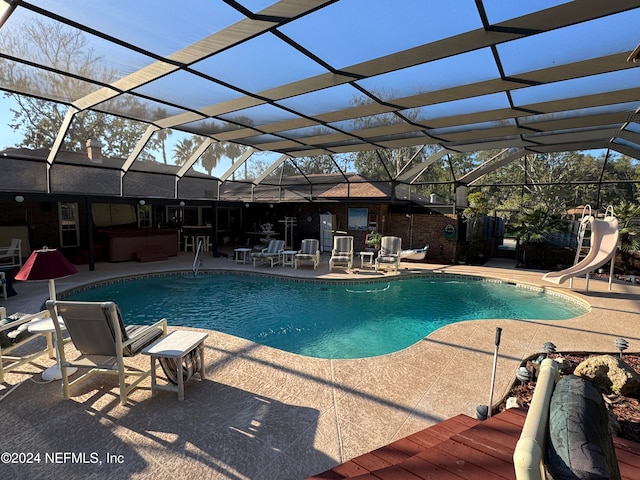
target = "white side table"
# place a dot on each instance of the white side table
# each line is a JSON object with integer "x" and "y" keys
{"x": 176, "y": 345}
{"x": 288, "y": 257}
{"x": 44, "y": 325}
{"x": 241, "y": 254}
{"x": 368, "y": 263}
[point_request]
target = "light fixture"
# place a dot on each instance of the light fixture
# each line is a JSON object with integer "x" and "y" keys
{"x": 181, "y": 203}
{"x": 622, "y": 345}
{"x": 19, "y": 198}
{"x": 246, "y": 205}
{"x": 549, "y": 348}
{"x": 524, "y": 375}
{"x": 142, "y": 202}
{"x": 271, "y": 205}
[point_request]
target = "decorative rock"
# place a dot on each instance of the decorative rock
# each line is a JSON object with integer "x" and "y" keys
{"x": 512, "y": 402}
{"x": 611, "y": 374}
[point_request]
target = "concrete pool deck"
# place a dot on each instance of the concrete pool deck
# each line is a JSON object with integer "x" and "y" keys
{"x": 266, "y": 414}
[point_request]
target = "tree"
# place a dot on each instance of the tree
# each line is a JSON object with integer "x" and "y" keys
{"x": 477, "y": 209}
{"x": 163, "y": 135}
{"x": 186, "y": 147}
{"x": 532, "y": 225}
{"x": 628, "y": 215}
{"x": 68, "y": 50}
{"x": 183, "y": 150}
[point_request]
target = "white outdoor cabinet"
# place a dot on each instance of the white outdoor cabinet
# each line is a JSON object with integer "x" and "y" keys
{"x": 327, "y": 226}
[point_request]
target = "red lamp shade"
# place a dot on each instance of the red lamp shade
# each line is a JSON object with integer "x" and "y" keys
{"x": 45, "y": 264}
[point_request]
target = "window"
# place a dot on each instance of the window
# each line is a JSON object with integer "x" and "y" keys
{"x": 144, "y": 216}
{"x": 69, "y": 231}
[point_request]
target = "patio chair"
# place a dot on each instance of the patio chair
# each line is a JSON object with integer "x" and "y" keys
{"x": 342, "y": 253}
{"x": 11, "y": 256}
{"x": 271, "y": 254}
{"x": 309, "y": 253}
{"x": 14, "y": 334}
{"x": 102, "y": 341}
{"x": 389, "y": 254}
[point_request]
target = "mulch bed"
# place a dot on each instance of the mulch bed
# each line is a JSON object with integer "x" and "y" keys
{"x": 626, "y": 409}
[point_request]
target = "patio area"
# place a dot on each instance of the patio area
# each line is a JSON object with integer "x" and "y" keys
{"x": 263, "y": 413}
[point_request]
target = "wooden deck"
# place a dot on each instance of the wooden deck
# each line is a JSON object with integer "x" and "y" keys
{"x": 459, "y": 448}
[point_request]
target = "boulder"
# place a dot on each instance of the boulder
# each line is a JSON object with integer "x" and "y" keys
{"x": 611, "y": 374}
{"x": 512, "y": 402}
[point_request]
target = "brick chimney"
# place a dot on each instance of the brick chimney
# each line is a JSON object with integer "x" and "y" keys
{"x": 94, "y": 150}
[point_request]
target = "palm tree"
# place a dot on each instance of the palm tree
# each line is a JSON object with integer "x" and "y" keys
{"x": 532, "y": 225}
{"x": 183, "y": 151}
{"x": 162, "y": 138}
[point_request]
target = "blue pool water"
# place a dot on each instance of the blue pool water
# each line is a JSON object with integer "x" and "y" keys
{"x": 326, "y": 320}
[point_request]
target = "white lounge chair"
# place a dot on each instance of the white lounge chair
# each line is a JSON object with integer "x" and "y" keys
{"x": 11, "y": 256}
{"x": 14, "y": 332}
{"x": 271, "y": 254}
{"x": 102, "y": 341}
{"x": 389, "y": 254}
{"x": 342, "y": 253}
{"x": 309, "y": 253}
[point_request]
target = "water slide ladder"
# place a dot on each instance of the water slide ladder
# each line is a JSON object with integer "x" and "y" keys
{"x": 197, "y": 260}
{"x": 584, "y": 242}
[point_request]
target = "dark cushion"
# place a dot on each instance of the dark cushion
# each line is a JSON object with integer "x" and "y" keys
{"x": 150, "y": 336}
{"x": 15, "y": 334}
{"x": 579, "y": 444}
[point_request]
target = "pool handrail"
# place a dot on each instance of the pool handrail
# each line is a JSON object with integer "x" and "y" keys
{"x": 197, "y": 261}
{"x": 528, "y": 454}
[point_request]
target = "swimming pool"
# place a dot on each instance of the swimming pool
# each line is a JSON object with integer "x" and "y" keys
{"x": 326, "y": 319}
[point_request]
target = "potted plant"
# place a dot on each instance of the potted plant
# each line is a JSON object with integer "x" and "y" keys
{"x": 373, "y": 240}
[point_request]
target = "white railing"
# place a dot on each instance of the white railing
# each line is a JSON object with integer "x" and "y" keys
{"x": 528, "y": 454}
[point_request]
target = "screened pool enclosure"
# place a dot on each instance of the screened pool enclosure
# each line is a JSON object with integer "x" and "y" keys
{"x": 290, "y": 101}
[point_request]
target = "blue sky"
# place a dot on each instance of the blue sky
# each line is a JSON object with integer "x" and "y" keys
{"x": 9, "y": 137}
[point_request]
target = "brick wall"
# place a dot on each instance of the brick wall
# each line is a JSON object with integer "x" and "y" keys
{"x": 427, "y": 228}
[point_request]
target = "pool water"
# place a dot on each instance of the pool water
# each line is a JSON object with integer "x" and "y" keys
{"x": 326, "y": 320}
